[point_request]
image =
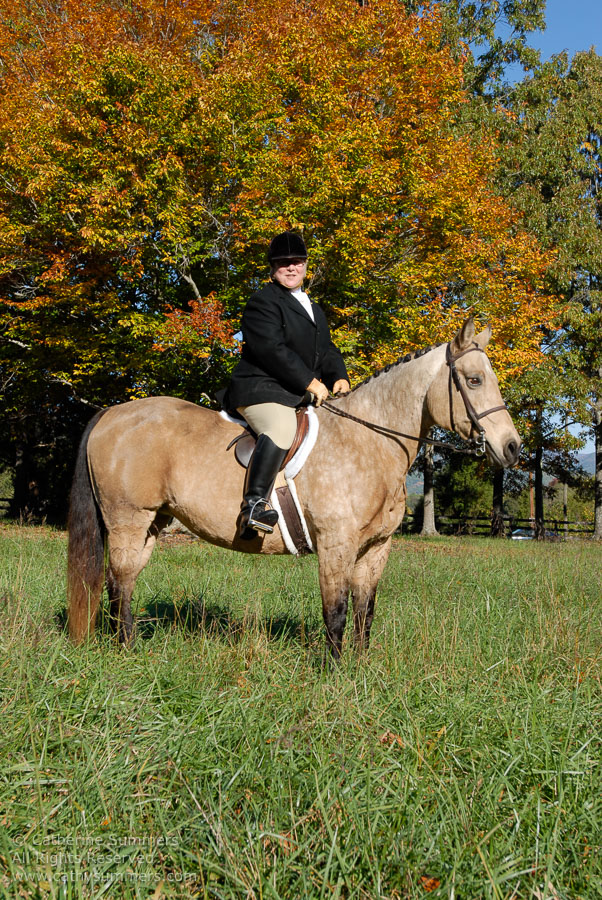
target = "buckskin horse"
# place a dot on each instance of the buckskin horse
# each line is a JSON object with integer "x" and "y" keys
{"x": 142, "y": 462}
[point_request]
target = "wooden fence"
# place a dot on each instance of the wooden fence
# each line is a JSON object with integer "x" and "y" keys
{"x": 481, "y": 525}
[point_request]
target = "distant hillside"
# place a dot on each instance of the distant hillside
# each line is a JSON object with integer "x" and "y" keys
{"x": 414, "y": 481}
{"x": 588, "y": 461}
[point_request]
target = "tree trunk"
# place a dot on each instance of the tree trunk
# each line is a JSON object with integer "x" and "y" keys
{"x": 598, "y": 474}
{"x": 498, "y": 527}
{"x": 539, "y": 514}
{"x": 428, "y": 517}
{"x": 25, "y": 487}
{"x": 565, "y": 490}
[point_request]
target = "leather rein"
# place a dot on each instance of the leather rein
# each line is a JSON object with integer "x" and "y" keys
{"x": 475, "y": 446}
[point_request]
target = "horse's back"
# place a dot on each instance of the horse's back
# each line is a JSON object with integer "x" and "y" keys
{"x": 154, "y": 413}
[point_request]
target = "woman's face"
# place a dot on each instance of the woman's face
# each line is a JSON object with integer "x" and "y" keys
{"x": 289, "y": 272}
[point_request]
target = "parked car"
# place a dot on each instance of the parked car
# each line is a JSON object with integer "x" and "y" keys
{"x": 528, "y": 534}
{"x": 523, "y": 534}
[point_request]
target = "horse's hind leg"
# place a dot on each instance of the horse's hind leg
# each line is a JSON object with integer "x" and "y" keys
{"x": 366, "y": 575}
{"x": 129, "y": 551}
{"x": 120, "y": 592}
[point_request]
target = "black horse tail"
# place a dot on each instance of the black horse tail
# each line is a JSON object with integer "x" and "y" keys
{"x": 86, "y": 550}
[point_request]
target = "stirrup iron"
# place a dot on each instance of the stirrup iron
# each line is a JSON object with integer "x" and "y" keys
{"x": 257, "y": 524}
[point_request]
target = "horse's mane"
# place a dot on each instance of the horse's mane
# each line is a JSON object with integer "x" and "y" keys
{"x": 398, "y": 362}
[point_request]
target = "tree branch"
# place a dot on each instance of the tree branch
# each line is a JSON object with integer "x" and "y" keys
{"x": 190, "y": 280}
{"x": 56, "y": 380}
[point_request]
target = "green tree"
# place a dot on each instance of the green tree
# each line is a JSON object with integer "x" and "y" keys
{"x": 551, "y": 172}
{"x": 497, "y": 33}
{"x": 462, "y": 488}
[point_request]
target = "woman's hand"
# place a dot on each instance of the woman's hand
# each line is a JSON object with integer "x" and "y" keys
{"x": 341, "y": 386}
{"x": 319, "y": 390}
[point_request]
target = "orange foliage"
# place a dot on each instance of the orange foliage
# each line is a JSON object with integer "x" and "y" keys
{"x": 196, "y": 329}
{"x": 151, "y": 144}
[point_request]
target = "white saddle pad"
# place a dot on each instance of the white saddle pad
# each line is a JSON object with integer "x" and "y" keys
{"x": 246, "y": 444}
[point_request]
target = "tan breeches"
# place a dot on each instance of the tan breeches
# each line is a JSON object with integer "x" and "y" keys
{"x": 277, "y": 421}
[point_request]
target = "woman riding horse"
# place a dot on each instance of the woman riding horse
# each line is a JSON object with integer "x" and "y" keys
{"x": 287, "y": 354}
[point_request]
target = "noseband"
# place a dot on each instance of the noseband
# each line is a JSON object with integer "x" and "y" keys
{"x": 473, "y": 415}
{"x": 476, "y": 447}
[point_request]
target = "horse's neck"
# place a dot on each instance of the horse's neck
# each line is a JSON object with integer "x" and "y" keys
{"x": 396, "y": 399}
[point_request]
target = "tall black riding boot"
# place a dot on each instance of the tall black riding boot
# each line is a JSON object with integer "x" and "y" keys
{"x": 257, "y": 514}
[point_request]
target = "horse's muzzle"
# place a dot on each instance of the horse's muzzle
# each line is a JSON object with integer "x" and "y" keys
{"x": 505, "y": 455}
{"x": 511, "y": 452}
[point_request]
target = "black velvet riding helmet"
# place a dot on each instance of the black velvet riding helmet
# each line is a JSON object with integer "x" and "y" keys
{"x": 288, "y": 245}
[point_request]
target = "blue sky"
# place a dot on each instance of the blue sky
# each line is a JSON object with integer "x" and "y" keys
{"x": 572, "y": 25}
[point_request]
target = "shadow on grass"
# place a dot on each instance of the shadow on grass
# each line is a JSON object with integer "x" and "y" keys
{"x": 196, "y": 616}
{"x": 60, "y": 620}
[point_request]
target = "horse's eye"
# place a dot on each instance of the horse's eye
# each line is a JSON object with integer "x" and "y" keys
{"x": 474, "y": 380}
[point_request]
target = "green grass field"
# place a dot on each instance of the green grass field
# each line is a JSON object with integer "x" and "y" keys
{"x": 460, "y": 758}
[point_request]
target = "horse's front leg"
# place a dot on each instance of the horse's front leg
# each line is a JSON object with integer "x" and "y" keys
{"x": 335, "y": 570}
{"x": 366, "y": 575}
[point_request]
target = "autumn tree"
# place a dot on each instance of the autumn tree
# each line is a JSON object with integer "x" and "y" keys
{"x": 497, "y": 35}
{"x": 98, "y": 157}
{"x": 148, "y": 151}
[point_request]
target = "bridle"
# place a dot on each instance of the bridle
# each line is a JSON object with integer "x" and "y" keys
{"x": 474, "y": 446}
{"x": 471, "y": 412}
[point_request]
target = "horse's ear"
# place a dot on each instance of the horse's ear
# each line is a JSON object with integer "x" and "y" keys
{"x": 484, "y": 337}
{"x": 463, "y": 338}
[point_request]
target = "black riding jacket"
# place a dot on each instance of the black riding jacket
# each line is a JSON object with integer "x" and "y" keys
{"x": 282, "y": 351}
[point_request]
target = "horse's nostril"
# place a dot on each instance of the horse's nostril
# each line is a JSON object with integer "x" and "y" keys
{"x": 512, "y": 449}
